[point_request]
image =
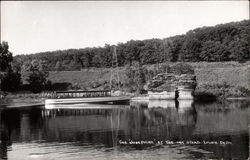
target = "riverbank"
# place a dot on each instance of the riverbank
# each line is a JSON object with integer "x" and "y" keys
{"x": 218, "y": 79}
{"x": 215, "y": 80}
{"x": 22, "y": 98}
{"x": 19, "y": 100}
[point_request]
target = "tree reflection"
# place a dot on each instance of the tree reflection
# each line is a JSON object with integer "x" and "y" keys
{"x": 150, "y": 121}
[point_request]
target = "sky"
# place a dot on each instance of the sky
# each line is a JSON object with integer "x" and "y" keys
{"x": 31, "y": 27}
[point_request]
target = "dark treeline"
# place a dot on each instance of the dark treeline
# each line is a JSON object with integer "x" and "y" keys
{"x": 224, "y": 42}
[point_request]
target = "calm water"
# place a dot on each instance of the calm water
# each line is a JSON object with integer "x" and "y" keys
{"x": 155, "y": 130}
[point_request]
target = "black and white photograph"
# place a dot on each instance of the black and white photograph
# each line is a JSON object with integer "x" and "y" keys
{"x": 124, "y": 80}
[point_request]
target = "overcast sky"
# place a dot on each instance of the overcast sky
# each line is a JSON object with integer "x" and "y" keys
{"x": 31, "y": 27}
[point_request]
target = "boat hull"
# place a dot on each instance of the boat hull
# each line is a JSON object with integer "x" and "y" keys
{"x": 68, "y": 101}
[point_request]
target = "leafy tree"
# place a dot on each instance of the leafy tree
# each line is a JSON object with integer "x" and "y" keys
{"x": 37, "y": 77}
{"x": 37, "y": 81}
{"x": 5, "y": 57}
{"x": 151, "y": 52}
{"x": 129, "y": 81}
{"x": 139, "y": 78}
{"x": 132, "y": 51}
{"x": 239, "y": 50}
{"x": 58, "y": 66}
{"x": 136, "y": 77}
{"x": 85, "y": 58}
{"x": 11, "y": 82}
{"x": 168, "y": 45}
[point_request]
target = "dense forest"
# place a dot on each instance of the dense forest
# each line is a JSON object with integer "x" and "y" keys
{"x": 224, "y": 42}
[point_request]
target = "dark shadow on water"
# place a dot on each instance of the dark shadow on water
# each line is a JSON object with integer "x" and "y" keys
{"x": 205, "y": 97}
{"x": 104, "y": 129}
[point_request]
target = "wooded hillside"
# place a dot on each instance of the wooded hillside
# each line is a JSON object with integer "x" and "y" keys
{"x": 224, "y": 42}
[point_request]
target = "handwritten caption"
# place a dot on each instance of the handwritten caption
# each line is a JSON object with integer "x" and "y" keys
{"x": 168, "y": 142}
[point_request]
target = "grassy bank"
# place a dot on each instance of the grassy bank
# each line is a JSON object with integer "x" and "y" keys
{"x": 233, "y": 74}
{"x": 222, "y": 80}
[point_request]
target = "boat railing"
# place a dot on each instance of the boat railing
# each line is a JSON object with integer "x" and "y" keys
{"x": 77, "y": 94}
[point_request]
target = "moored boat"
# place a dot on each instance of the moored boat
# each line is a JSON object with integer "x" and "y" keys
{"x": 78, "y": 97}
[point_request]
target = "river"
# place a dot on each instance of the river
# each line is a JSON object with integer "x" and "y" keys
{"x": 156, "y": 130}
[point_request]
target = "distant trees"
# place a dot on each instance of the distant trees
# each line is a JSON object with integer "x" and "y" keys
{"x": 191, "y": 49}
{"x": 240, "y": 49}
{"x": 214, "y": 51}
{"x": 85, "y": 58}
{"x": 226, "y": 42}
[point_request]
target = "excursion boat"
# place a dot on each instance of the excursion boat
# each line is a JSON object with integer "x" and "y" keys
{"x": 59, "y": 98}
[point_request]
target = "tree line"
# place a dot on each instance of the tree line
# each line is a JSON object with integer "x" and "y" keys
{"x": 224, "y": 42}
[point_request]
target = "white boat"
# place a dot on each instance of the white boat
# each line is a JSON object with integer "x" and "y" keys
{"x": 81, "y": 97}
{"x": 87, "y": 100}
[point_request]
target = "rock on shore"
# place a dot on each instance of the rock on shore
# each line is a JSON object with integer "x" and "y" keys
{"x": 171, "y": 86}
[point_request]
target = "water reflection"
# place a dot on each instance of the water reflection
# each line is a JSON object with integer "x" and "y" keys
{"x": 97, "y": 133}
